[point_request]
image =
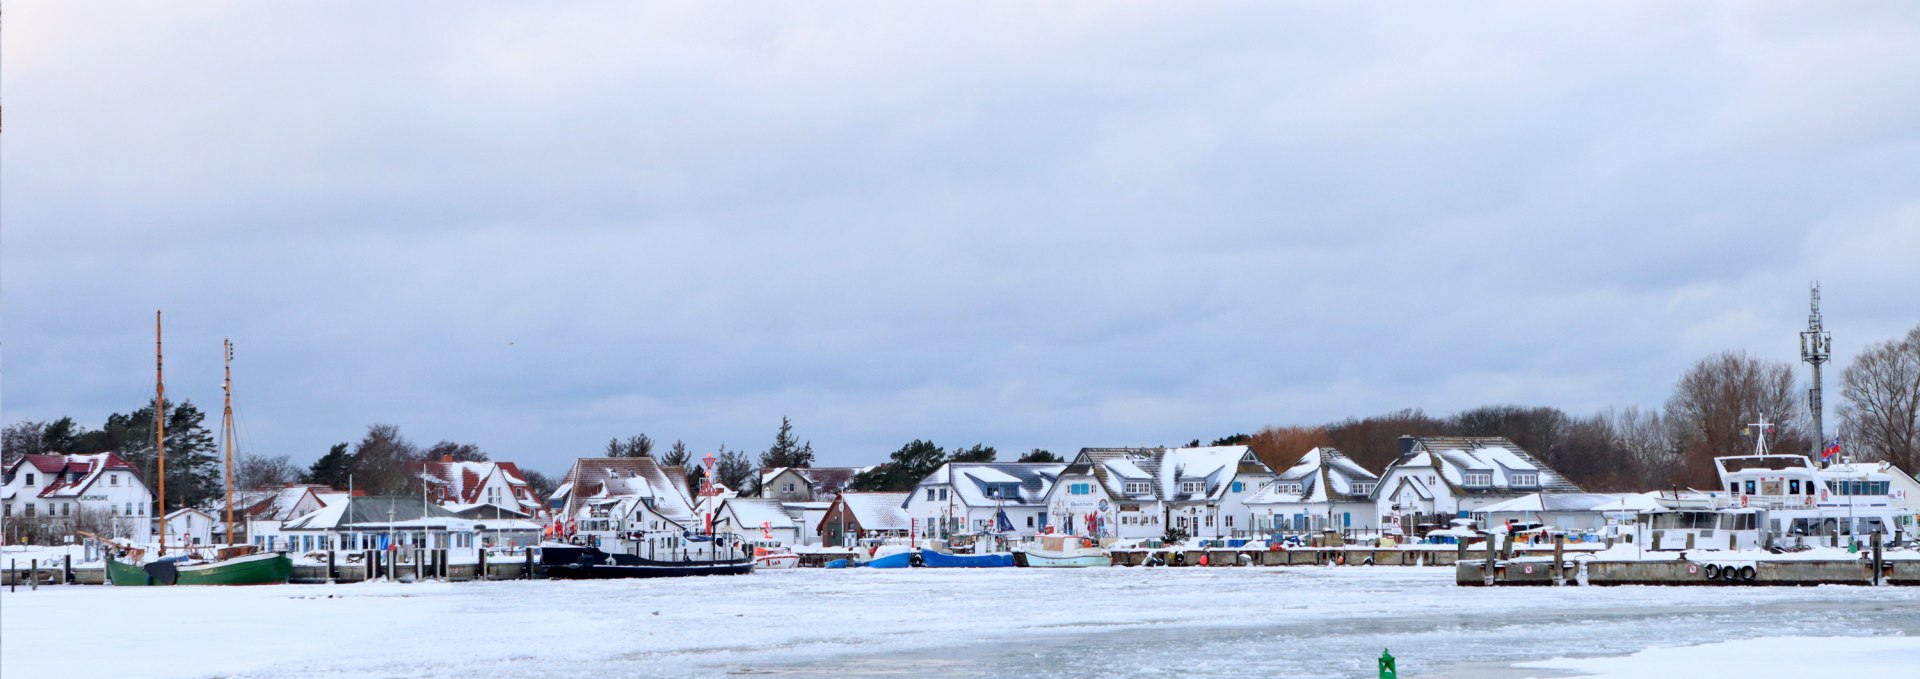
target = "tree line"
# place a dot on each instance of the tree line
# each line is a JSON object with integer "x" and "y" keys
{"x": 1671, "y": 445}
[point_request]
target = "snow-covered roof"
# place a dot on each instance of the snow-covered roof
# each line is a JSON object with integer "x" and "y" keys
{"x": 753, "y": 513}
{"x": 1166, "y": 470}
{"x": 1571, "y": 502}
{"x": 878, "y": 511}
{"x": 638, "y": 478}
{"x": 70, "y": 475}
{"x": 1453, "y": 456}
{"x": 1322, "y": 475}
{"x": 981, "y": 484}
{"x": 463, "y": 482}
{"x": 367, "y": 511}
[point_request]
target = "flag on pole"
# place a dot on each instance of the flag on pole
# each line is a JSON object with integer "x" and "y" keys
{"x": 1833, "y": 450}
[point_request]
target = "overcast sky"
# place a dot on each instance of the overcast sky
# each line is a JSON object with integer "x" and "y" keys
{"x": 1030, "y": 225}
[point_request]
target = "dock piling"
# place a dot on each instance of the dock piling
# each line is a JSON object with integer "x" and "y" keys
{"x": 1559, "y": 560}
{"x": 66, "y": 567}
{"x": 1878, "y": 569}
{"x": 1486, "y": 568}
{"x": 33, "y": 575}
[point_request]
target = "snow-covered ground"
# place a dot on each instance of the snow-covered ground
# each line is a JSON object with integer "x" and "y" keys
{"x": 990, "y": 623}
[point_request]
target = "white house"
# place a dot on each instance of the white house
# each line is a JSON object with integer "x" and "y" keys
{"x": 970, "y": 497}
{"x": 762, "y": 521}
{"x": 189, "y": 527}
{"x": 806, "y": 484}
{"x": 627, "y": 494}
{"x": 260, "y": 513}
{"x": 63, "y": 492}
{"x": 1324, "y": 490}
{"x": 478, "y": 489}
{"x": 1132, "y": 493}
{"x": 1564, "y": 511}
{"x": 1440, "y": 478}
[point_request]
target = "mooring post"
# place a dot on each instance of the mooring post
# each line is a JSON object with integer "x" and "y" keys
{"x": 66, "y": 567}
{"x": 333, "y": 568}
{"x": 1506, "y": 547}
{"x": 1876, "y": 559}
{"x": 1559, "y": 558}
{"x": 1460, "y": 545}
{"x": 13, "y": 573}
{"x": 529, "y": 564}
{"x": 1486, "y": 568}
{"x": 482, "y": 575}
{"x": 33, "y": 573}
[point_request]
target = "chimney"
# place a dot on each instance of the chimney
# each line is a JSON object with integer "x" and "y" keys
{"x": 446, "y": 458}
{"x": 1406, "y": 445}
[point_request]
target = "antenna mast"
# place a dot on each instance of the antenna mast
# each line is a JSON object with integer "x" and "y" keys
{"x": 1816, "y": 346}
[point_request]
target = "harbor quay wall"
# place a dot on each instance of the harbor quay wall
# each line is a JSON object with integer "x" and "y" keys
{"x": 1708, "y": 572}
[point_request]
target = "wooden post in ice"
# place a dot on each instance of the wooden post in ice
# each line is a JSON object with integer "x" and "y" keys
{"x": 1462, "y": 546}
{"x": 1486, "y": 569}
{"x": 33, "y": 573}
{"x": 482, "y": 574}
{"x": 529, "y": 564}
{"x": 1876, "y": 559}
{"x": 1559, "y": 559}
{"x": 333, "y": 568}
{"x": 66, "y": 567}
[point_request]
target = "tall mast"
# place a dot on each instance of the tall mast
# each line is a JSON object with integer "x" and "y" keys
{"x": 160, "y": 427}
{"x": 1816, "y": 346}
{"x": 227, "y": 432}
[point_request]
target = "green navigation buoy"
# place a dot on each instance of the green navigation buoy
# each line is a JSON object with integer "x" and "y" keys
{"x": 1387, "y": 670}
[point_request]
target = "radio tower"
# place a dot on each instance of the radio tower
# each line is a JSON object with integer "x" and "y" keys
{"x": 1816, "y": 344}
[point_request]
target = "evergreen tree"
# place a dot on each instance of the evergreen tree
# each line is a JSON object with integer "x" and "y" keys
{"x": 677, "y": 456}
{"x": 460, "y": 452}
{"x": 1039, "y": 455}
{"x": 634, "y": 446}
{"x": 332, "y": 468}
{"x": 786, "y": 450}
{"x": 978, "y": 453}
{"x": 903, "y": 469}
{"x": 733, "y": 469}
{"x": 193, "y": 465}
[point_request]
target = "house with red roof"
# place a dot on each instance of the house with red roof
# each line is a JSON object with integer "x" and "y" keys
{"x": 477, "y": 489}
{"x": 58, "y": 493}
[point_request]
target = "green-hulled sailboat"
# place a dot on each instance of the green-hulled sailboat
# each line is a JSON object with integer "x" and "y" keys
{"x": 230, "y": 565}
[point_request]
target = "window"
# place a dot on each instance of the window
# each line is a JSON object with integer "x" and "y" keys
{"x": 1229, "y": 520}
{"x": 29, "y": 510}
{"x": 929, "y": 494}
{"x": 1289, "y": 487}
{"x": 1478, "y": 479}
{"x": 1733, "y": 487}
{"x": 788, "y": 487}
{"x": 943, "y": 493}
{"x": 1362, "y": 487}
{"x": 66, "y": 509}
{"x": 1238, "y": 486}
{"x": 1749, "y": 487}
{"x": 113, "y": 479}
{"x": 1192, "y": 486}
{"x": 1029, "y": 522}
{"x": 1526, "y": 479}
{"x": 29, "y": 478}
{"x": 1080, "y": 489}
{"x": 1793, "y": 486}
{"x": 1137, "y": 488}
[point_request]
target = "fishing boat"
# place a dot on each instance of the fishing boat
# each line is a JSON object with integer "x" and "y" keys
{"x": 586, "y": 562}
{"x": 233, "y": 564}
{"x": 892, "y": 556}
{"x": 937, "y": 559}
{"x": 1066, "y": 551}
{"x": 775, "y": 558}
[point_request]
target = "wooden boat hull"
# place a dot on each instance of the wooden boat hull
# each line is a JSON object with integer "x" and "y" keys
{"x": 933, "y": 559}
{"x": 257, "y": 569}
{"x": 1043, "y": 560}
{"x": 588, "y": 563}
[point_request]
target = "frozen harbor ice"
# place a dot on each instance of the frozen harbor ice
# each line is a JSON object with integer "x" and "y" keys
{"x": 994, "y": 623}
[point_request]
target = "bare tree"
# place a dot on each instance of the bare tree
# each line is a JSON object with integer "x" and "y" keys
{"x": 1282, "y": 447}
{"x": 379, "y": 461}
{"x": 256, "y": 471}
{"x": 1880, "y": 416}
{"x": 457, "y": 452}
{"x": 21, "y": 438}
{"x": 1646, "y": 442}
{"x": 1718, "y": 397}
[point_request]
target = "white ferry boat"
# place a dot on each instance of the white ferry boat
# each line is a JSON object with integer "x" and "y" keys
{"x": 1785, "y": 496}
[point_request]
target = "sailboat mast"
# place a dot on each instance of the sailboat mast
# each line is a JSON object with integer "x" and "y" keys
{"x": 227, "y": 432}
{"x": 160, "y": 426}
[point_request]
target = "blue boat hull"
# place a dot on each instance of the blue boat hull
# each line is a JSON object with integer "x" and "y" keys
{"x": 901, "y": 560}
{"x": 933, "y": 559}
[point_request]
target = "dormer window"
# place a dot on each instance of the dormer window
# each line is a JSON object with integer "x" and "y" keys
{"x": 1137, "y": 488}
{"x": 1526, "y": 479}
{"x": 1192, "y": 486}
{"x": 1362, "y": 487}
{"x": 1477, "y": 479}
